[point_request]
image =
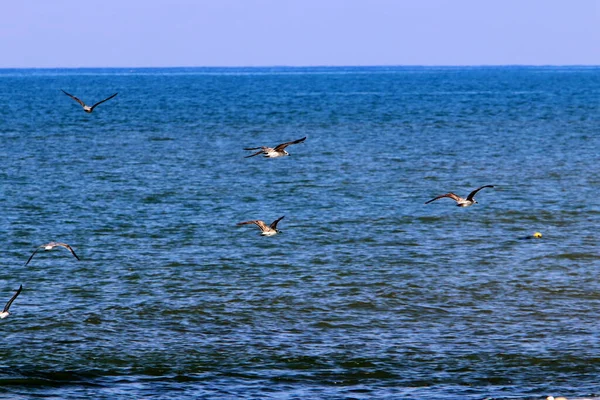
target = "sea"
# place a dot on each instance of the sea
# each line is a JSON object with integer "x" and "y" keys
{"x": 366, "y": 293}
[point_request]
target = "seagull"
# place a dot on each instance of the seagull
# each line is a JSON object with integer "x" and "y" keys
{"x": 469, "y": 201}
{"x": 50, "y": 246}
{"x": 87, "y": 108}
{"x": 5, "y": 313}
{"x": 265, "y": 230}
{"x": 273, "y": 152}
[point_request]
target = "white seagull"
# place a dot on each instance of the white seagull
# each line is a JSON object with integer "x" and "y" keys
{"x": 265, "y": 230}
{"x": 273, "y": 152}
{"x": 50, "y": 246}
{"x": 469, "y": 201}
{"x": 87, "y": 108}
{"x": 5, "y": 313}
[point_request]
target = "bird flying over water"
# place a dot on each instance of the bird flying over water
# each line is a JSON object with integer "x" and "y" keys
{"x": 265, "y": 230}
{"x": 273, "y": 152}
{"x": 87, "y": 108}
{"x": 5, "y": 313}
{"x": 469, "y": 201}
{"x": 50, "y": 246}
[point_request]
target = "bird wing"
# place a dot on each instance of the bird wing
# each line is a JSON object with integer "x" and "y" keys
{"x": 66, "y": 246}
{"x": 451, "y": 195}
{"x": 102, "y": 101}
{"x": 74, "y": 98}
{"x": 255, "y": 154}
{"x": 274, "y": 223}
{"x": 257, "y": 222}
{"x": 263, "y": 227}
{"x": 32, "y": 254}
{"x": 472, "y": 194}
{"x": 7, "y": 306}
{"x": 282, "y": 146}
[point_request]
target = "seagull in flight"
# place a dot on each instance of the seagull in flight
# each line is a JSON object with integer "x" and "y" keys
{"x": 87, "y": 108}
{"x": 265, "y": 230}
{"x": 273, "y": 152}
{"x": 469, "y": 201}
{"x": 5, "y": 313}
{"x": 50, "y": 246}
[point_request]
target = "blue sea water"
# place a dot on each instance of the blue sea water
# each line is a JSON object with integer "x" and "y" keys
{"x": 367, "y": 292}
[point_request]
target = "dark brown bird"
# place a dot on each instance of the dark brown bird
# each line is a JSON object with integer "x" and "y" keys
{"x": 469, "y": 201}
{"x": 265, "y": 230}
{"x": 87, "y": 108}
{"x": 273, "y": 152}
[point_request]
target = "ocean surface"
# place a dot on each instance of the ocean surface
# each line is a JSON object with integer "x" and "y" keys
{"x": 366, "y": 293}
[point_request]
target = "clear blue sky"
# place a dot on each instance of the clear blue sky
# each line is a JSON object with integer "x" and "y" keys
{"x": 153, "y": 33}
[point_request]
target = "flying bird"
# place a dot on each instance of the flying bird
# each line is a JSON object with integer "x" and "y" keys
{"x": 87, "y": 108}
{"x": 469, "y": 201}
{"x": 265, "y": 230}
{"x": 273, "y": 152}
{"x": 5, "y": 313}
{"x": 50, "y": 246}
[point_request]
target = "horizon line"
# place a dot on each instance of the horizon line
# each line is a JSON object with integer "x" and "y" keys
{"x": 321, "y": 66}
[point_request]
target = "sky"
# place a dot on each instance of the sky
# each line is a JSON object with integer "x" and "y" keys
{"x": 172, "y": 33}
